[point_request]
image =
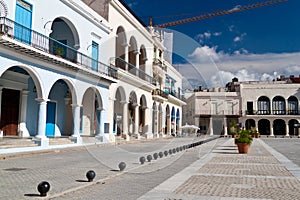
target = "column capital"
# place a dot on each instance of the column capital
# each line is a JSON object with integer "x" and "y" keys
{"x": 40, "y": 100}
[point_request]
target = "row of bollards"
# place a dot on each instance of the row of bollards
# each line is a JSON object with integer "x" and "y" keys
{"x": 173, "y": 151}
{"x": 44, "y": 186}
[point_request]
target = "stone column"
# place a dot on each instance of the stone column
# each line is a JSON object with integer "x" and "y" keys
{"x": 99, "y": 121}
{"x": 137, "y": 62}
{"x": 136, "y": 120}
{"x": 76, "y": 124}
{"x": 155, "y": 123}
{"x": 1, "y": 132}
{"x": 41, "y": 130}
{"x": 23, "y": 129}
{"x": 125, "y": 120}
{"x": 271, "y": 129}
{"x": 211, "y": 129}
{"x": 287, "y": 130}
{"x": 225, "y": 127}
{"x": 126, "y": 46}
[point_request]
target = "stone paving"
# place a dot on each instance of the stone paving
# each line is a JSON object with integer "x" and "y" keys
{"x": 260, "y": 174}
{"x": 213, "y": 170}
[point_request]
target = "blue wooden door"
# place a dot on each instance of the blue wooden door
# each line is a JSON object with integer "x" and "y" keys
{"x": 50, "y": 120}
{"x": 23, "y": 20}
{"x": 95, "y": 53}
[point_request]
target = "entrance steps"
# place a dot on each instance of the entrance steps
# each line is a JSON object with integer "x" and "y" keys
{"x": 16, "y": 142}
{"x": 90, "y": 140}
{"x": 60, "y": 141}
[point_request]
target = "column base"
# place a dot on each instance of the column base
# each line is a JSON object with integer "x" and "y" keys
{"x": 41, "y": 141}
{"x": 76, "y": 139}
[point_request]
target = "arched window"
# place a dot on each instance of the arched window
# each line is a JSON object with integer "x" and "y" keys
{"x": 263, "y": 105}
{"x": 278, "y": 105}
{"x": 292, "y": 105}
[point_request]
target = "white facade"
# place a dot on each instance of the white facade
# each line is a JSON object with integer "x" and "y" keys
{"x": 81, "y": 71}
{"x": 272, "y": 108}
{"x": 212, "y": 111}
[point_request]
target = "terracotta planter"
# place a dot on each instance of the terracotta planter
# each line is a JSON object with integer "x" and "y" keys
{"x": 233, "y": 136}
{"x": 243, "y": 147}
{"x": 256, "y": 136}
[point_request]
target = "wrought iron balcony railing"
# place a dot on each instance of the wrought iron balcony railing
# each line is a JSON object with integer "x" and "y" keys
{"x": 122, "y": 64}
{"x": 273, "y": 112}
{"x": 49, "y": 45}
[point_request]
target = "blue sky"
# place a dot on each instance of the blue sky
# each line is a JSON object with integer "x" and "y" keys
{"x": 258, "y": 44}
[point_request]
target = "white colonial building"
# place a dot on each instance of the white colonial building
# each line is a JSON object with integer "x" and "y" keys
{"x": 271, "y": 107}
{"x": 83, "y": 69}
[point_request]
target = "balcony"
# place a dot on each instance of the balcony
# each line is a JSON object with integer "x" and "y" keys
{"x": 119, "y": 63}
{"x": 33, "y": 43}
{"x": 269, "y": 112}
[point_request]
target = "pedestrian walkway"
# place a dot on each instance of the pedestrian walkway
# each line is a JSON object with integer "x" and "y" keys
{"x": 224, "y": 174}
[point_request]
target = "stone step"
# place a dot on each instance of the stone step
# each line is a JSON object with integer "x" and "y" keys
{"x": 59, "y": 141}
{"x": 16, "y": 142}
{"x": 89, "y": 140}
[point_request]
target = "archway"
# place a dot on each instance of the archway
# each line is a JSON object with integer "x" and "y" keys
{"x": 250, "y": 123}
{"x": 293, "y": 130}
{"x": 59, "y": 120}
{"x": 142, "y": 62}
{"x": 264, "y": 127}
{"x": 154, "y": 118}
{"x": 20, "y": 89}
{"x": 120, "y": 99}
{"x": 66, "y": 36}
{"x": 91, "y": 112}
{"x": 142, "y": 115}
{"x": 121, "y": 43}
{"x": 133, "y": 51}
{"x": 132, "y": 113}
{"x": 160, "y": 118}
{"x": 177, "y": 121}
{"x": 279, "y": 127}
{"x": 167, "y": 120}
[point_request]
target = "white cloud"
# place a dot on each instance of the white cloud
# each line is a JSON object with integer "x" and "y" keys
{"x": 217, "y": 34}
{"x": 215, "y": 68}
{"x": 239, "y": 38}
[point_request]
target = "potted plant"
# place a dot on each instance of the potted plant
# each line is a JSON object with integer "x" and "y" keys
{"x": 243, "y": 141}
{"x": 233, "y": 130}
{"x": 254, "y": 133}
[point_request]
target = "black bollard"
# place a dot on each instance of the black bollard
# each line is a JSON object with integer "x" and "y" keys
{"x": 43, "y": 187}
{"x": 160, "y": 154}
{"x": 177, "y": 149}
{"x": 142, "y": 159}
{"x": 90, "y": 175}
{"x": 170, "y": 151}
{"x": 166, "y": 153}
{"x": 122, "y": 166}
{"x": 155, "y": 156}
{"x": 149, "y": 158}
{"x": 174, "y": 150}
{"x": 180, "y": 148}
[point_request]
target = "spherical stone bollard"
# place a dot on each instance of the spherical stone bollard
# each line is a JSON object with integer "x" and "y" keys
{"x": 160, "y": 154}
{"x": 122, "y": 166}
{"x": 177, "y": 149}
{"x": 90, "y": 175}
{"x": 180, "y": 148}
{"x": 43, "y": 187}
{"x": 170, "y": 151}
{"x": 184, "y": 147}
{"x": 166, "y": 153}
{"x": 149, "y": 158}
{"x": 155, "y": 156}
{"x": 142, "y": 159}
{"x": 174, "y": 150}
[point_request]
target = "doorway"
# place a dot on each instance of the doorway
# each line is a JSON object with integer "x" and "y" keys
{"x": 10, "y": 112}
